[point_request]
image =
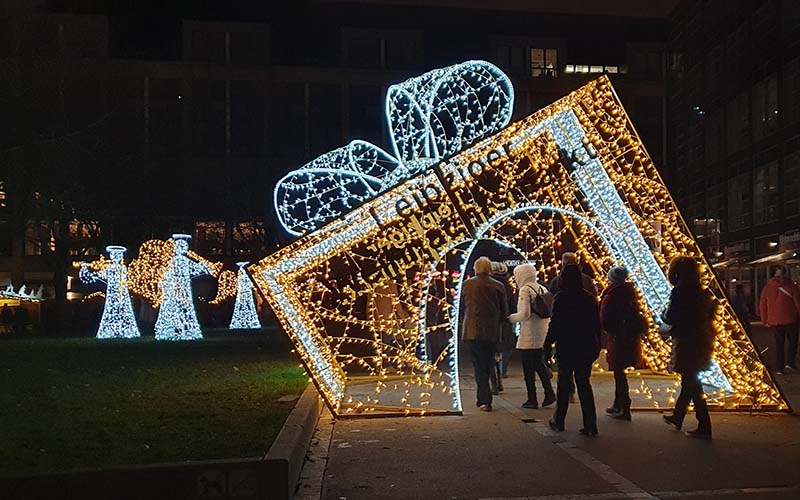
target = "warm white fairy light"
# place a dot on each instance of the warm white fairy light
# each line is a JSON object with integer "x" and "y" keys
{"x": 244, "y": 309}
{"x": 177, "y": 319}
{"x": 118, "y": 319}
{"x": 573, "y": 172}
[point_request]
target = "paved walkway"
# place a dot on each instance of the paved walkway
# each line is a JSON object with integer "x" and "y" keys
{"x": 511, "y": 454}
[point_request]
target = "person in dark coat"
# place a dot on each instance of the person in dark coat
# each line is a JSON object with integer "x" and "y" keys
{"x": 570, "y": 259}
{"x": 485, "y": 307}
{"x": 690, "y": 319}
{"x": 575, "y": 331}
{"x": 618, "y": 313}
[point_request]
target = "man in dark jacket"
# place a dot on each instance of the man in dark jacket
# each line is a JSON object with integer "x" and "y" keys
{"x": 575, "y": 330}
{"x": 570, "y": 259}
{"x": 485, "y": 307}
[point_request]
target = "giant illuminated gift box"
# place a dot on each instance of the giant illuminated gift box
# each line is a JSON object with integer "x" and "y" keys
{"x": 370, "y": 300}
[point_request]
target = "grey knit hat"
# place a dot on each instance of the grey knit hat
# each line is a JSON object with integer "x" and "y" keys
{"x": 618, "y": 275}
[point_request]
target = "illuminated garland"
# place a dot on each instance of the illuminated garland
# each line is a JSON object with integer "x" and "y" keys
{"x": 574, "y": 173}
{"x": 118, "y": 320}
{"x": 430, "y": 117}
{"x": 244, "y": 310}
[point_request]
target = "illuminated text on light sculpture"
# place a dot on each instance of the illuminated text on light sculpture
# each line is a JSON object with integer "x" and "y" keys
{"x": 347, "y": 293}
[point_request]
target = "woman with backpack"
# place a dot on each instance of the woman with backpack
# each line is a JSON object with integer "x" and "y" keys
{"x": 533, "y": 314}
{"x": 624, "y": 325}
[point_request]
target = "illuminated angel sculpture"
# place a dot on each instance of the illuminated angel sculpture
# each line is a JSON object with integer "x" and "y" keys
{"x": 431, "y": 117}
{"x": 177, "y": 319}
{"x": 118, "y": 320}
{"x": 244, "y": 309}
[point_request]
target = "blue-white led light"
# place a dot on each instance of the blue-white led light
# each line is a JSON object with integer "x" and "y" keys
{"x": 177, "y": 319}
{"x": 245, "y": 315}
{"x": 430, "y": 117}
{"x": 118, "y": 320}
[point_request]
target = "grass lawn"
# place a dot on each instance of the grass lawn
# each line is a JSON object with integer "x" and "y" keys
{"x": 81, "y": 403}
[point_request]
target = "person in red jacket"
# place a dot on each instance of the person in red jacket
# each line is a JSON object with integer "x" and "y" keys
{"x": 618, "y": 311}
{"x": 780, "y": 310}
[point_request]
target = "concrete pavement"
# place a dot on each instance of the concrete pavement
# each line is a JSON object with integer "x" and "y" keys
{"x": 506, "y": 455}
{"x": 511, "y": 454}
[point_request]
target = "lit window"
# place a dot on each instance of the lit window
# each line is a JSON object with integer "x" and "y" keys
{"x": 569, "y": 68}
{"x": 595, "y": 69}
{"x": 580, "y": 68}
{"x": 612, "y": 69}
{"x": 209, "y": 238}
{"x": 544, "y": 62}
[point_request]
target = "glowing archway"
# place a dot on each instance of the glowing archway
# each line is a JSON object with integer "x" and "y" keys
{"x": 350, "y": 295}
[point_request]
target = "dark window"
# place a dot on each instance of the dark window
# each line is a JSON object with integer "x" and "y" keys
{"x": 166, "y": 117}
{"x": 765, "y": 107}
{"x": 503, "y": 56}
{"x": 208, "y": 118}
{"x": 401, "y": 53}
{"x": 248, "y": 118}
{"x": 287, "y": 122}
{"x": 324, "y": 118}
{"x": 765, "y": 194}
{"x": 739, "y": 202}
{"x": 791, "y": 184}
{"x": 249, "y": 48}
{"x": 738, "y": 122}
{"x": 208, "y": 46}
{"x": 366, "y": 113}
{"x": 791, "y": 91}
{"x": 364, "y": 52}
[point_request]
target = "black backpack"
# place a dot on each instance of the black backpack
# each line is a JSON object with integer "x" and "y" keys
{"x": 542, "y": 303}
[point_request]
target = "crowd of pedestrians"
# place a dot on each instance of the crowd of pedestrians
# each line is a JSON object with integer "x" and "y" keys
{"x": 567, "y": 321}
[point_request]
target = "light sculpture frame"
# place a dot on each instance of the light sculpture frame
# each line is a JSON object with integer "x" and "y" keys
{"x": 345, "y": 293}
{"x": 430, "y": 117}
{"x": 177, "y": 318}
{"x": 245, "y": 315}
{"x": 118, "y": 320}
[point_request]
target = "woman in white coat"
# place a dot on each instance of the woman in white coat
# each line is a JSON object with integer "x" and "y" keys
{"x": 532, "y": 332}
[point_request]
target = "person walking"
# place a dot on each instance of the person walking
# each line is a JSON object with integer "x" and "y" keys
{"x": 568, "y": 259}
{"x": 485, "y": 307}
{"x": 689, "y": 317}
{"x": 623, "y": 324}
{"x": 741, "y": 305}
{"x": 6, "y": 319}
{"x": 780, "y": 307}
{"x": 533, "y": 313}
{"x": 575, "y": 330}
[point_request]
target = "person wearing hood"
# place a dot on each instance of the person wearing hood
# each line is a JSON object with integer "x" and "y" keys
{"x": 532, "y": 332}
{"x": 575, "y": 330}
{"x": 618, "y": 317}
{"x": 780, "y": 308}
{"x": 689, "y": 317}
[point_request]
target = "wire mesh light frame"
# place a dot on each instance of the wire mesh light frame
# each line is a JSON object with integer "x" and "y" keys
{"x": 318, "y": 285}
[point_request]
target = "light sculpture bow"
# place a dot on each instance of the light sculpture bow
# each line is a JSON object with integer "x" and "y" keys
{"x": 431, "y": 117}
